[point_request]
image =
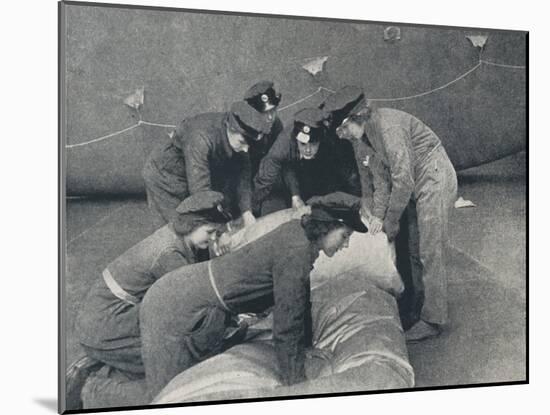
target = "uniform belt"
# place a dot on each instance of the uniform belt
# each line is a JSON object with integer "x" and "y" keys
{"x": 215, "y": 287}
{"x": 117, "y": 290}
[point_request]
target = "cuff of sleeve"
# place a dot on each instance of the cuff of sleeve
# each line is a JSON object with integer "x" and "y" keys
{"x": 391, "y": 227}
{"x": 245, "y": 204}
{"x": 245, "y": 208}
{"x": 378, "y": 212}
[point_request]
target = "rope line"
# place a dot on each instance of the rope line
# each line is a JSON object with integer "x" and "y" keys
{"x": 95, "y": 140}
{"x": 465, "y": 74}
{"x": 319, "y": 90}
{"x": 502, "y": 65}
{"x": 157, "y": 125}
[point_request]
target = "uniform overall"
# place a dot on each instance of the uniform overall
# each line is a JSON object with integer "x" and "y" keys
{"x": 198, "y": 158}
{"x": 413, "y": 176}
{"x": 184, "y": 314}
{"x": 108, "y": 322}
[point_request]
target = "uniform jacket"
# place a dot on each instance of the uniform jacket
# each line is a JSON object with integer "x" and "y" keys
{"x": 141, "y": 265}
{"x": 200, "y": 158}
{"x": 400, "y": 143}
{"x": 260, "y": 149}
{"x": 107, "y": 321}
{"x": 274, "y": 270}
{"x": 303, "y": 178}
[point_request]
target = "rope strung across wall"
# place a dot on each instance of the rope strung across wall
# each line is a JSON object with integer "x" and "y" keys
{"x": 136, "y": 100}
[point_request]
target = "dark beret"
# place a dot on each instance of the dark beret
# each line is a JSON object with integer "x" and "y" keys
{"x": 258, "y": 88}
{"x": 342, "y": 98}
{"x": 207, "y": 199}
{"x": 199, "y": 209}
{"x": 262, "y": 94}
{"x": 349, "y": 217}
{"x": 343, "y": 103}
{"x": 342, "y": 206}
{"x": 249, "y": 122}
{"x": 336, "y": 200}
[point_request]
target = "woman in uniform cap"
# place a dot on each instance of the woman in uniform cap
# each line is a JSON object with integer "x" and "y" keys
{"x": 184, "y": 315}
{"x": 263, "y": 97}
{"x": 206, "y": 152}
{"x": 356, "y": 161}
{"x": 337, "y": 107}
{"x": 340, "y": 104}
{"x": 414, "y": 176}
{"x": 302, "y": 158}
{"x": 108, "y": 323}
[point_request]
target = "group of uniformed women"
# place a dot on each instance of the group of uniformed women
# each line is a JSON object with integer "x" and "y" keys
{"x": 158, "y": 309}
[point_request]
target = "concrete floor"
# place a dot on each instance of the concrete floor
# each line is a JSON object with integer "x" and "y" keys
{"x": 487, "y": 283}
{"x": 487, "y": 265}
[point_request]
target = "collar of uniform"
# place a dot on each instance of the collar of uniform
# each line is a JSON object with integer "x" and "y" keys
{"x": 225, "y": 139}
{"x": 372, "y": 132}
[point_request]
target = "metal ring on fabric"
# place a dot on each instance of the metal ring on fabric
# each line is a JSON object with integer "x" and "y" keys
{"x": 117, "y": 290}
{"x": 215, "y": 287}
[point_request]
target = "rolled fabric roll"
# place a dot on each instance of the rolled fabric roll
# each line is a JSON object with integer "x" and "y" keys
{"x": 357, "y": 335}
{"x": 358, "y": 346}
{"x": 371, "y": 256}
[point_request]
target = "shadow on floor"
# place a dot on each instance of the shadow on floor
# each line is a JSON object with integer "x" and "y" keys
{"x": 48, "y": 403}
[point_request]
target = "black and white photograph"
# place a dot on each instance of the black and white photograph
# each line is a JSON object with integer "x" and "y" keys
{"x": 258, "y": 206}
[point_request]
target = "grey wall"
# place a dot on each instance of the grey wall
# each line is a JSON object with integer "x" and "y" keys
{"x": 191, "y": 63}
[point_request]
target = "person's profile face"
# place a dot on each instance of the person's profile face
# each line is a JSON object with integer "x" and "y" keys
{"x": 308, "y": 150}
{"x": 335, "y": 240}
{"x": 202, "y": 235}
{"x": 350, "y": 130}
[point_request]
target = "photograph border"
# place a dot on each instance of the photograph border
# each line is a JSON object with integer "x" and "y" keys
{"x": 62, "y": 199}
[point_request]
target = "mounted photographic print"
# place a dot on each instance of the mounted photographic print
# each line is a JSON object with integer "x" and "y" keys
{"x": 257, "y": 206}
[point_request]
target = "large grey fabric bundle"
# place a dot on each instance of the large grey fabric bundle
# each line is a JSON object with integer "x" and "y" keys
{"x": 358, "y": 346}
{"x": 358, "y": 339}
{"x": 370, "y": 256}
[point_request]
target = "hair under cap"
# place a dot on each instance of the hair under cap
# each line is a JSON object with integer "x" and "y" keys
{"x": 341, "y": 206}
